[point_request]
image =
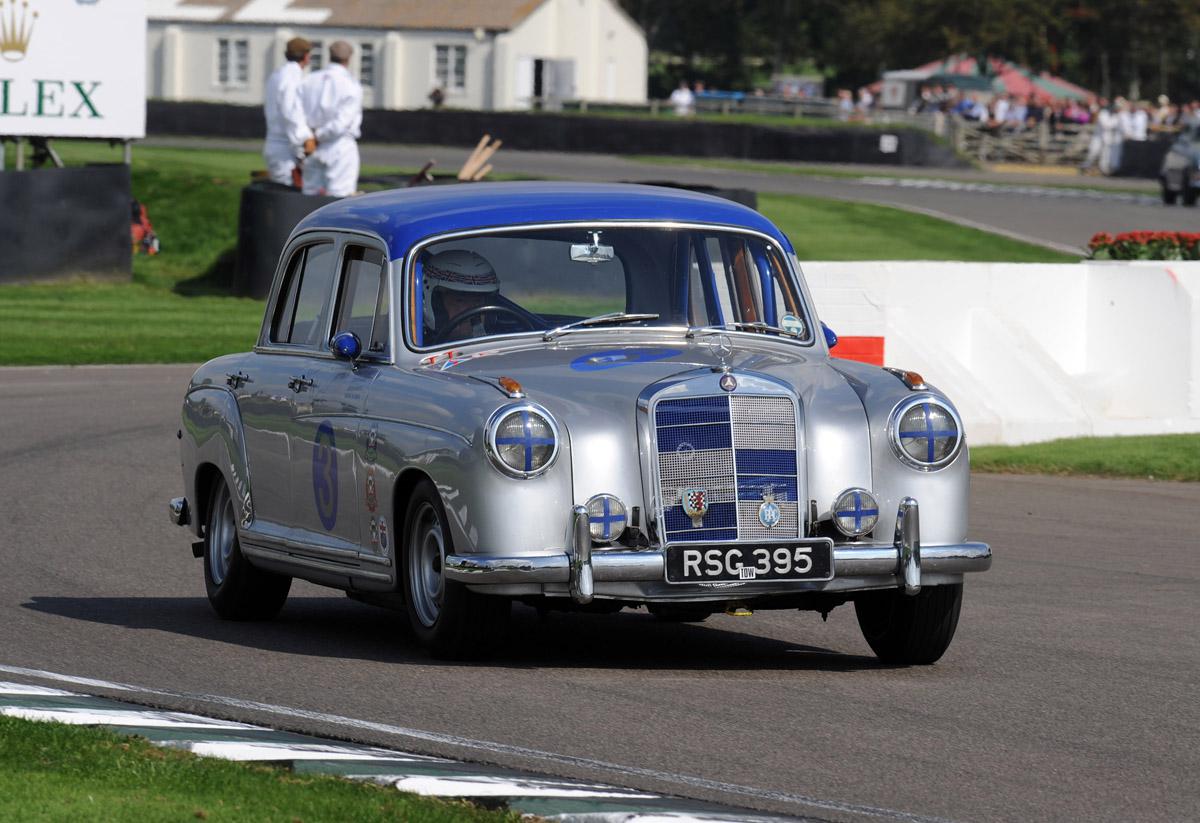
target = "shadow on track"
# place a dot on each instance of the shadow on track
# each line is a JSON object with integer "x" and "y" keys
{"x": 335, "y": 627}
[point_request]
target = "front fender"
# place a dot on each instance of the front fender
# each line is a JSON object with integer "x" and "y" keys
{"x": 212, "y": 435}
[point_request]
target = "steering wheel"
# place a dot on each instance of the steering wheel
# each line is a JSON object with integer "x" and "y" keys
{"x": 454, "y": 322}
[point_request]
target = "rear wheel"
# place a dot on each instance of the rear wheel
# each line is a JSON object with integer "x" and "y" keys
{"x": 1169, "y": 195}
{"x": 236, "y": 589}
{"x": 1189, "y": 195}
{"x": 447, "y": 618}
{"x": 910, "y": 629}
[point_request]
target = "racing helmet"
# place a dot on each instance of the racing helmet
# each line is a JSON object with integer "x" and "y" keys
{"x": 458, "y": 270}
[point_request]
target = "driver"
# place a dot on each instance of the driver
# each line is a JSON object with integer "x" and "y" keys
{"x": 453, "y": 283}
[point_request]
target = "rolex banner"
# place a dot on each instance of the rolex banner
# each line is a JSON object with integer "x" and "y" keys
{"x": 73, "y": 68}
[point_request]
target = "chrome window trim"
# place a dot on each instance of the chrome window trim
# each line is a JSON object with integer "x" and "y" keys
{"x": 493, "y": 453}
{"x": 340, "y": 238}
{"x": 898, "y": 412}
{"x": 408, "y": 297}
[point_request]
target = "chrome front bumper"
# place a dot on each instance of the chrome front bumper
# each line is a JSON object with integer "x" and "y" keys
{"x": 905, "y": 561}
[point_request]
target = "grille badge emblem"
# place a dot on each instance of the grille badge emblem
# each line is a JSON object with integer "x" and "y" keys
{"x": 695, "y": 505}
{"x": 768, "y": 512}
{"x": 728, "y": 382}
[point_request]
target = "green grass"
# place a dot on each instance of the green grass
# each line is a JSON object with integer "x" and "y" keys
{"x": 804, "y": 170}
{"x": 823, "y": 229}
{"x": 1162, "y": 457}
{"x": 53, "y": 772}
{"x": 177, "y": 308}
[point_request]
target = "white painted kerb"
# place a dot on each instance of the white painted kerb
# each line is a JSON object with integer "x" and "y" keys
{"x": 1032, "y": 352}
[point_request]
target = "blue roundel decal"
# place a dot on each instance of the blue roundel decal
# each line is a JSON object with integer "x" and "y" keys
{"x": 615, "y": 358}
{"x": 324, "y": 475}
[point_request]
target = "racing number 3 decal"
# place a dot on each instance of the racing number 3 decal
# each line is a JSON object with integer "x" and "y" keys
{"x": 325, "y": 479}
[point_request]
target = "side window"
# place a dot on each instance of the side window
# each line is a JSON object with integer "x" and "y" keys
{"x": 302, "y": 309}
{"x": 363, "y": 298}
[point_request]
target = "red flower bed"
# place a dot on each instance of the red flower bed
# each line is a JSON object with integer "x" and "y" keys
{"x": 1145, "y": 245}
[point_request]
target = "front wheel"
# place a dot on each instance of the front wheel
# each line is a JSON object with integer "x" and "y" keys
{"x": 910, "y": 629}
{"x": 447, "y": 618}
{"x": 236, "y": 589}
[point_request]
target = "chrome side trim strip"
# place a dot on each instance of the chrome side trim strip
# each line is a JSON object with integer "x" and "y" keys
{"x": 290, "y": 559}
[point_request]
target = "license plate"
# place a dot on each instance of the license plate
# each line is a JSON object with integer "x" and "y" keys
{"x": 724, "y": 563}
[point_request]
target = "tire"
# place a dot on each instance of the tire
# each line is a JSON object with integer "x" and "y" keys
{"x": 1169, "y": 196}
{"x": 670, "y": 613}
{"x": 449, "y": 620}
{"x": 1189, "y": 195}
{"x": 236, "y": 589}
{"x": 910, "y": 630}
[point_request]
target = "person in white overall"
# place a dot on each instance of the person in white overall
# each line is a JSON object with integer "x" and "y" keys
{"x": 333, "y": 104}
{"x": 289, "y": 138}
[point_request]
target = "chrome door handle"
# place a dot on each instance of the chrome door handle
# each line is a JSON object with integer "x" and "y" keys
{"x": 299, "y": 384}
{"x": 236, "y": 381}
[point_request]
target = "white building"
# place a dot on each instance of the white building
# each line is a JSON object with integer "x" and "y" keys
{"x": 484, "y": 54}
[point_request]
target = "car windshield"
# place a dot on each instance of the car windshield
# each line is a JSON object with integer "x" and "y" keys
{"x": 558, "y": 281}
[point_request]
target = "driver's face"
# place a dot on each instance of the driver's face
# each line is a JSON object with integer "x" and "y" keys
{"x": 457, "y": 302}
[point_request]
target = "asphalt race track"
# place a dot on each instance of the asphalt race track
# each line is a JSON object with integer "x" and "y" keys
{"x": 1070, "y": 691}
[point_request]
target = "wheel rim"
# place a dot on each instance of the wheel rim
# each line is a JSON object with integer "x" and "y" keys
{"x": 426, "y": 557}
{"x": 222, "y": 535}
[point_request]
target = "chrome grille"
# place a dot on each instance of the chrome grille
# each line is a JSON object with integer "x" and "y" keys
{"x": 739, "y": 449}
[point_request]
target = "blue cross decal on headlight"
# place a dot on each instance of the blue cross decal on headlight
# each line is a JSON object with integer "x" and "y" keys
{"x": 930, "y": 435}
{"x": 607, "y": 519}
{"x": 858, "y": 512}
{"x": 528, "y": 441}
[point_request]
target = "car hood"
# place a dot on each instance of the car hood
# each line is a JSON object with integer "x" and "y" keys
{"x": 592, "y": 389}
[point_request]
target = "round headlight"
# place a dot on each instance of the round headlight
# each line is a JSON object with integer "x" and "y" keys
{"x": 522, "y": 440}
{"x": 606, "y": 518}
{"x": 855, "y": 512}
{"x": 926, "y": 433}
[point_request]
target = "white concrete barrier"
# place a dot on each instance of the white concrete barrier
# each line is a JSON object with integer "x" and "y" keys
{"x": 1030, "y": 352}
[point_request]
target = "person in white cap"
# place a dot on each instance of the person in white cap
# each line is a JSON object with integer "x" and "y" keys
{"x": 333, "y": 104}
{"x": 453, "y": 283}
{"x": 289, "y": 138}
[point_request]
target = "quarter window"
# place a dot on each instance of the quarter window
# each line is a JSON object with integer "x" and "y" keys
{"x": 363, "y": 299}
{"x": 301, "y": 313}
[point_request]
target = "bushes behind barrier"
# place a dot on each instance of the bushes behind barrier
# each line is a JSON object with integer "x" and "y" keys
{"x": 1145, "y": 245}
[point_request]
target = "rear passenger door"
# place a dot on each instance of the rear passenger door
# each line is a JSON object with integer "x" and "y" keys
{"x": 333, "y": 489}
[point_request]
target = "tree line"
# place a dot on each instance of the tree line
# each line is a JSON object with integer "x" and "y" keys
{"x": 1135, "y": 48}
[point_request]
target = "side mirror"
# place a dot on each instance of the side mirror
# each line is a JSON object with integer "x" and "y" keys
{"x": 346, "y": 345}
{"x": 830, "y": 337}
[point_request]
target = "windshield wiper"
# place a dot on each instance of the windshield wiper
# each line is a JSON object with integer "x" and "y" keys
{"x": 611, "y": 319}
{"x": 740, "y": 325}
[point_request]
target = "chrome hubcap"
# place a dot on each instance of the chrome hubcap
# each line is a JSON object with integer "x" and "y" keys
{"x": 426, "y": 554}
{"x": 222, "y": 535}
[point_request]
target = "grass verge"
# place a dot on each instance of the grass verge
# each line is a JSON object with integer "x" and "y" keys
{"x": 52, "y": 772}
{"x": 1161, "y": 457}
{"x": 177, "y": 308}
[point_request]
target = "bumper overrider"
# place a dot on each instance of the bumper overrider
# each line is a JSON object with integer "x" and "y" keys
{"x": 901, "y": 564}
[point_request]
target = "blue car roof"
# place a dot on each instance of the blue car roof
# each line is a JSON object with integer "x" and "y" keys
{"x": 403, "y": 217}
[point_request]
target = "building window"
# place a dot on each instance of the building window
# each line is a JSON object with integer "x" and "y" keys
{"x": 233, "y": 62}
{"x": 316, "y": 57}
{"x": 450, "y": 67}
{"x": 366, "y": 64}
